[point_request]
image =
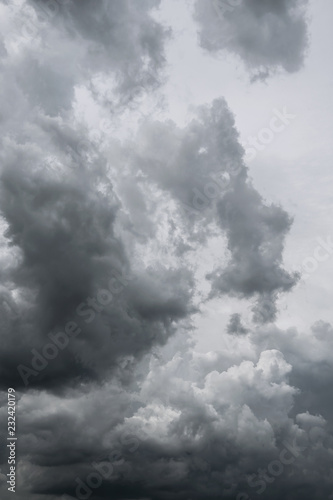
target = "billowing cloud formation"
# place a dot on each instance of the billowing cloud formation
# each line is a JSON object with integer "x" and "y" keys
{"x": 201, "y": 168}
{"x": 71, "y": 292}
{"x": 256, "y": 233}
{"x": 71, "y": 274}
{"x": 228, "y": 423}
{"x": 265, "y": 34}
{"x": 100, "y": 246}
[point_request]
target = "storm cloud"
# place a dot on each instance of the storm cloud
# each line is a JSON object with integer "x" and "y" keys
{"x": 127, "y": 244}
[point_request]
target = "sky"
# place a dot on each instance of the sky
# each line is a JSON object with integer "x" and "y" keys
{"x": 166, "y": 249}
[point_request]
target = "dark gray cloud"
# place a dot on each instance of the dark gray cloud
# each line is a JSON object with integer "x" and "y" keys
{"x": 256, "y": 233}
{"x": 98, "y": 282}
{"x": 202, "y": 168}
{"x": 235, "y": 325}
{"x": 216, "y": 424}
{"x": 69, "y": 269}
{"x": 265, "y": 34}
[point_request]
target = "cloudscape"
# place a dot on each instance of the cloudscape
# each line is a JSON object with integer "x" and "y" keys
{"x": 166, "y": 250}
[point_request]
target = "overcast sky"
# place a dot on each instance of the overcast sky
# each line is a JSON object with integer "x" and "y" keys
{"x": 166, "y": 248}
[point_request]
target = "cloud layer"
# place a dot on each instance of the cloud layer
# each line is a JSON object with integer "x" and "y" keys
{"x": 104, "y": 270}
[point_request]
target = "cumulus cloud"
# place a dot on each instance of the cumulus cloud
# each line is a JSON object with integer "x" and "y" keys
{"x": 265, "y": 34}
{"x": 68, "y": 264}
{"x": 310, "y": 355}
{"x": 201, "y": 167}
{"x": 72, "y": 268}
{"x": 217, "y": 423}
{"x": 99, "y": 278}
